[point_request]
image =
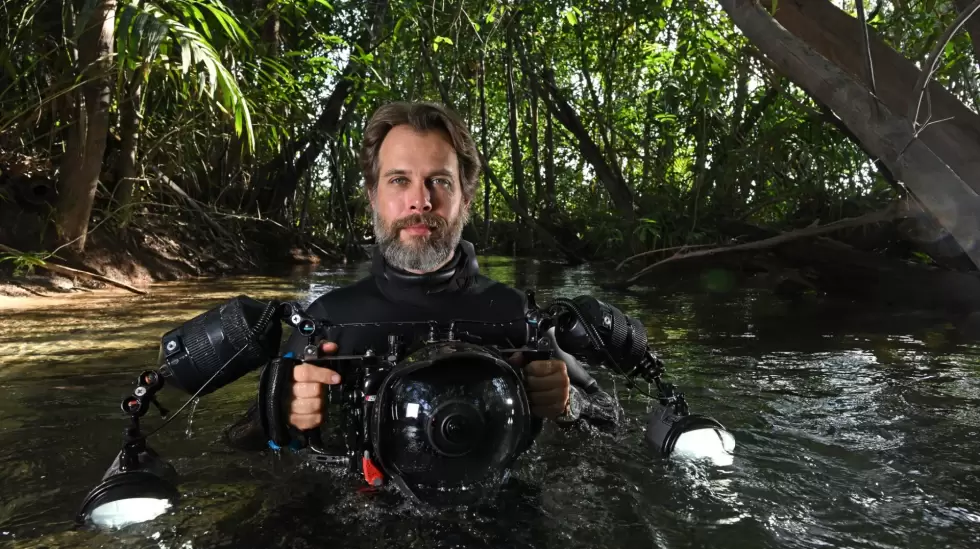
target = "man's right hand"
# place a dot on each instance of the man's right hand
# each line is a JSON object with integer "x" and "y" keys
{"x": 306, "y": 408}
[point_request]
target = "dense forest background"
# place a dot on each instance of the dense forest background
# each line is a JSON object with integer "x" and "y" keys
{"x": 609, "y": 128}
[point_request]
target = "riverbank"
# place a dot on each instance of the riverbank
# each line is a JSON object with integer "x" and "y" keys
{"x": 130, "y": 260}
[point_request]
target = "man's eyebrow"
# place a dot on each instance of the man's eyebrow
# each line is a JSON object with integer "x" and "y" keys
{"x": 441, "y": 171}
{"x": 434, "y": 173}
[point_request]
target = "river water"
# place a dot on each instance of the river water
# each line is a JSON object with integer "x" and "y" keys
{"x": 855, "y": 428}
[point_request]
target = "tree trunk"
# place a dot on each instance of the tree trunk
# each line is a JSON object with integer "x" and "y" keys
{"x": 943, "y": 192}
{"x": 550, "y": 194}
{"x": 535, "y": 149}
{"x": 836, "y": 36}
{"x": 82, "y": 162}
{"x": 484, "y": 147}
{"x": 647, "y": 172}
{"x": 972, "y": 26}
{"x": 516, "y": 156}
{"x": 129, "y": 127}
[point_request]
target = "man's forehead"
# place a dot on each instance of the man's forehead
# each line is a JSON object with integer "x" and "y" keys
{"x": 405, "y": 149}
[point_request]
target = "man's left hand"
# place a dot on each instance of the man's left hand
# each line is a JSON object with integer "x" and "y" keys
{"x": 548, "y": 386}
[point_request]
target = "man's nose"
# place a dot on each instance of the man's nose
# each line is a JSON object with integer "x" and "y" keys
{"x": 419, "y": 197}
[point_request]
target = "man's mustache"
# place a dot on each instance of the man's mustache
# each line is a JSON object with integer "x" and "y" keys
{"x": 433, "y": 221}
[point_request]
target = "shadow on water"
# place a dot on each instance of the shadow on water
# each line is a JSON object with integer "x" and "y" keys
{"x": 856, "y": 428}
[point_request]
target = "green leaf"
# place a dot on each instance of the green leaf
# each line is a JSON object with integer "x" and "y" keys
{"x": 185, "y": 55}
{"x": 571, "y": 17}
{"x": 201, "y": 21}
{"x": 221, "y": 20}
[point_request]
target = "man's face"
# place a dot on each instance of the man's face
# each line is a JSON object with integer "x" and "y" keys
{"x": 417, "y": 207}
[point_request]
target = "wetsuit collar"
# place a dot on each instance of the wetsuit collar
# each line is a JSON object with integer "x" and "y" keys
{"x": 401, "y": 285}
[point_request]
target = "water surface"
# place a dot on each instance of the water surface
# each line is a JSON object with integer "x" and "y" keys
{"x": 855, "y": 428}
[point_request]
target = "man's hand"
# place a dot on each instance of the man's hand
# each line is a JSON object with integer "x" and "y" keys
{"x": 548, "y": 386}
{"x": 306, "y": 408}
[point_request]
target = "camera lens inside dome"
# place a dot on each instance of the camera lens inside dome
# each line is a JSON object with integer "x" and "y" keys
{"x": 456, "y": 429}
{"x": 450, "y": 418}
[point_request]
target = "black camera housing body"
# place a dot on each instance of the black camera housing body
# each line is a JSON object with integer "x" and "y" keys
{"x": 364, "y": 377}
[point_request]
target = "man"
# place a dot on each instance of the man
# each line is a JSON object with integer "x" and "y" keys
{"x": 421, "y": 171}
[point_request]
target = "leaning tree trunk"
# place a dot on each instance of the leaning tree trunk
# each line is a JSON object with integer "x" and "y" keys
{"x": 280, "y": 177}
{"x": 837, "y": 36}
{"x": 82, "y": 162}
{"x": 935, "y": 176}
{"x": 619, "y": 191}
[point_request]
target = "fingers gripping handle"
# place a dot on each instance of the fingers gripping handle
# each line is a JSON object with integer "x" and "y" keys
{"x": 275, "y": 396}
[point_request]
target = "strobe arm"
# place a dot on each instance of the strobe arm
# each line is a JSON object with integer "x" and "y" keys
{"x": 602, "y": 334}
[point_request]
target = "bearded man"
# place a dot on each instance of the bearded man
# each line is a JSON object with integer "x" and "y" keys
{"x": 421, "y": 171}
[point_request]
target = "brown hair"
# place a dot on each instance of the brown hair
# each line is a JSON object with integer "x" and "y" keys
{"x": 421, "y": 116}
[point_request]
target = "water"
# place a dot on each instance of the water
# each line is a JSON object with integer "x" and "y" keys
{"x": 855, "y": 428}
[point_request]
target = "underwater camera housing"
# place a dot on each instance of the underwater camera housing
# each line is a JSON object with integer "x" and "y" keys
{"x": 427, "y": 416}
{"x": 441, "y": 419}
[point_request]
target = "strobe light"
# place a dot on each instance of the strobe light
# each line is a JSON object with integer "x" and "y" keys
{"x": 138, "y": 485}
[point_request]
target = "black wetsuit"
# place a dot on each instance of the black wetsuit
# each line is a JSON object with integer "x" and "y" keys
{"x": 457, "y": 292}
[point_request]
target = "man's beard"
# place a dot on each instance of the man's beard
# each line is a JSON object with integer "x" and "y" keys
{"x": 422, "y": 253}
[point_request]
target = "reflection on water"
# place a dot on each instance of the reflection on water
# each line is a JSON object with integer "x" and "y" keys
{"x": 855, "y": 428}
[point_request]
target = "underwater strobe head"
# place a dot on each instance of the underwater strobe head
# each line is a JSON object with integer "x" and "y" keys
{"x": 449, "y": 422}
{"x": 131, "y": 493}
{"x": 138, "y": 485}
{"x": 689, "y": 437}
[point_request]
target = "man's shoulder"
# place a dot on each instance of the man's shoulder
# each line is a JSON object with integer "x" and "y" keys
{"x": 498, "y": 290}
{"x": 488, "y": 284}
{"x": 344, "y": 296}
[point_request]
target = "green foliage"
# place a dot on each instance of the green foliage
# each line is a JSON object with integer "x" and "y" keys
{"x": 25, "y": 262}
{"x": 674, "y": 97}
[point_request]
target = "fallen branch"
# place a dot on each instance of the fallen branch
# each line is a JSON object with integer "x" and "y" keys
{"x": 814, "y": 230}
{"x": 658, "y": 251}
{"x": 68, "y": 271}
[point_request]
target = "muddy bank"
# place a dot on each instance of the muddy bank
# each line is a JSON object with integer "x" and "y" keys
{"x": 169, "y": 250}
